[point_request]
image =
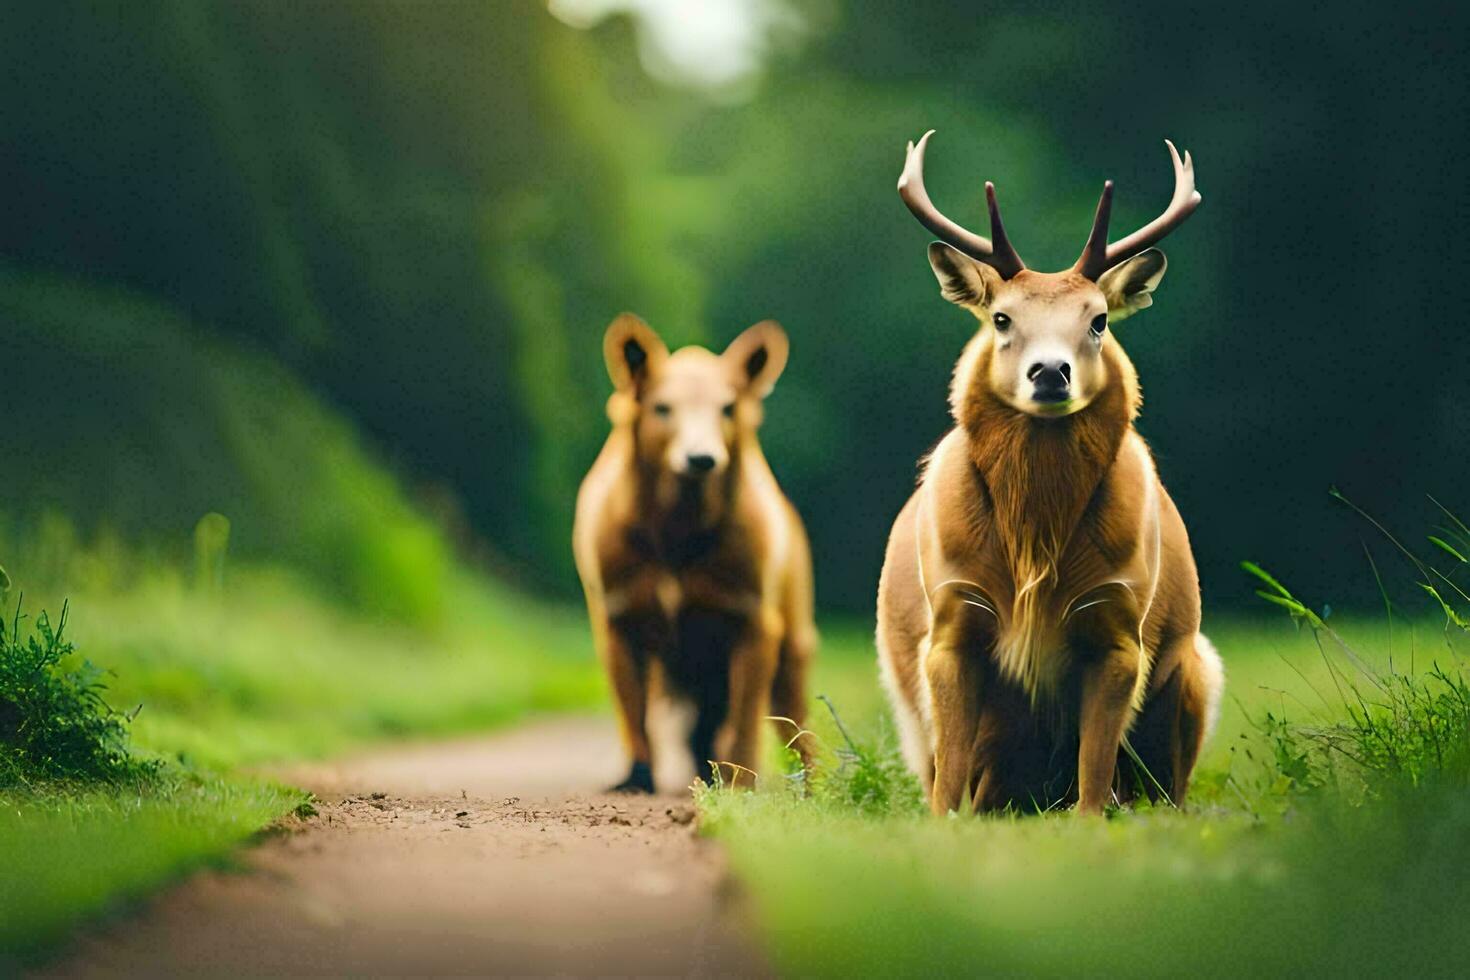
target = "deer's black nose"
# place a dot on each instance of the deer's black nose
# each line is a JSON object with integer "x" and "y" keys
{"x": 700, "y": 462}
{"x": 1050, "y": 380}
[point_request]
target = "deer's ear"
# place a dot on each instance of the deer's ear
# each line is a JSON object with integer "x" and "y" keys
{"x": 632, "y": 351}
{"x": 758, "y": 356}
{"x": 1129, "y": 287}
{"x": 962, "y": 280}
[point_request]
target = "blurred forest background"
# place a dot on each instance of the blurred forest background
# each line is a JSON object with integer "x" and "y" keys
{"x": 339, "y": 271}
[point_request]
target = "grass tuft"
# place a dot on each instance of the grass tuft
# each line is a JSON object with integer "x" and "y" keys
{"x": 869, "y": 776}
{"x": 863, "y": 776}
{"x": 1386, "y": 729}
{"x": 55, "y": 723}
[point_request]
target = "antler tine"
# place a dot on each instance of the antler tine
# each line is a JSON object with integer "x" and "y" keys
{"x": 998, "y": 254}
{"x": 1093, "y": 261}
{"x": 999, "y": 241}
{"x": 1181, "y": 206}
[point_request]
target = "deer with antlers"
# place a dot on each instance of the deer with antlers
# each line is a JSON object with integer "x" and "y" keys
{"x": 1039, "y": 608}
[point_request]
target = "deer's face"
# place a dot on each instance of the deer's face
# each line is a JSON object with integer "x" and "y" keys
{"x": 687, "y": 418}
{"x": 691, "y": 408}
{"x": 1046, "y": 355}
{"x": 1048, "y": 331}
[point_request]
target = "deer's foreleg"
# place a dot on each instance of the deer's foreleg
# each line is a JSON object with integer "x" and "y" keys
{"x": 626, "y": 654}
{"x": 753, "y": 665}
{"x": 1109, "y": 684}
{"x": 954, "y": 670}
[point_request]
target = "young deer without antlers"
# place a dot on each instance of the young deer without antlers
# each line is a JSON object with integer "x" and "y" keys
{"x": 696, "y": 567}
{"x": 1039, "y": 601}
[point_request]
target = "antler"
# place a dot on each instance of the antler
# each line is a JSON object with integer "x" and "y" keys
{"x": 1098, "y": 257}
{"x": 995, "y": 251}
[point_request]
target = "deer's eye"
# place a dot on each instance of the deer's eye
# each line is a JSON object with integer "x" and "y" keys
{"x": 1002, "y": 322}
{"x": 729, "y": 410}
{"x": 1099, "y": 324}
{"x": 662, "y": 410}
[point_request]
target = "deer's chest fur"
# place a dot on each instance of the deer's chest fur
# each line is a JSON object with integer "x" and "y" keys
{"x": 655, "y": 564}
{"x": 658, "y": 569}
{"x": 1050, "y": 534}
{"x": 717, "y": 574}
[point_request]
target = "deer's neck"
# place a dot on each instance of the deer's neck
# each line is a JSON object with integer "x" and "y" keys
{"x": 681, "y": 520}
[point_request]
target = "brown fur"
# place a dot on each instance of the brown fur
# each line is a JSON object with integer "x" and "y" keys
{"x": 1039, "y": 599}
{"x": 699, "y": 588}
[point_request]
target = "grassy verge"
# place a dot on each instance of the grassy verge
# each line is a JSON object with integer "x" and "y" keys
{"x": 266, "y": 671}
{"x": 69, "y": 854}
{"x": 259, "y": 671}
{"x": 1262, "y": 875}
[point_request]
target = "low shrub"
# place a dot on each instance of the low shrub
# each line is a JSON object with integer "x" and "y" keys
{"x": 55, "y": 724}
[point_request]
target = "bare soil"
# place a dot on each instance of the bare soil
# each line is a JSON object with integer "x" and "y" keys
{"x": 493, "y": 856}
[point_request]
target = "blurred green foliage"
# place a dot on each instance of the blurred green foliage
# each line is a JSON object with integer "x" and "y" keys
{"x": 264, "y": 666}
{"x": 226, "y": 225}
{"x": 140, "y": 418}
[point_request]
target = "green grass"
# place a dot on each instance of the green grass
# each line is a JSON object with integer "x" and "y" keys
{"x": 255, "y": 670}
{"x": 69, "y": 854}
{"x": 838, "y": 894}
{"x": 1260, "y": 875}
{"x": 266, "y": 671}
{"x": 55, "y": 724}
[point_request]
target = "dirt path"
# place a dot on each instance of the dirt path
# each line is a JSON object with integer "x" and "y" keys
{"x": 492, "y": 856}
